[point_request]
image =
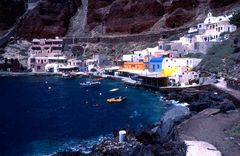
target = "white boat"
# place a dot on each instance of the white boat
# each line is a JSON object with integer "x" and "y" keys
{"x": 89, "y": 84}
{"x": 114, "y": 90}
{"x": 68, "y": 75}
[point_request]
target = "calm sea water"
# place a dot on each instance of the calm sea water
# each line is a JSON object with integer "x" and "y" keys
{"x": 36, "y": 120}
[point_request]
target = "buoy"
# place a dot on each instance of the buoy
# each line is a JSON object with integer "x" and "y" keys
{"x": 100, "y": 93}
{"x": 49, "y": 88}
{"x": 46, "y": 82}
{"x": 122, "y": 136}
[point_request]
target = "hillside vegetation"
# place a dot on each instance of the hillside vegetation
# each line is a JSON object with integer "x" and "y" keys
{"x": 224, "y": 58}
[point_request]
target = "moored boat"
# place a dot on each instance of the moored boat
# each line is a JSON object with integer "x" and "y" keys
{"x": 68, "y": 75}
{"x": 89, "y": 84}
{"x": 116, "y": 99}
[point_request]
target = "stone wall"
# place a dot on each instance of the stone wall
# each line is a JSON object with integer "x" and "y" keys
{"x": 122, "y": 39}
{"x": 234, "y": 84}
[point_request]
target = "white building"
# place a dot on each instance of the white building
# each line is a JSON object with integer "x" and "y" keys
{"x": 44, "y": 52}
{"x": 214, "y": 29}
{"x": 180, "y": 62}
{"x": 202, "y": 36}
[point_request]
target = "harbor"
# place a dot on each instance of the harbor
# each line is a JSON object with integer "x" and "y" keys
{"x": 115, "y": 78}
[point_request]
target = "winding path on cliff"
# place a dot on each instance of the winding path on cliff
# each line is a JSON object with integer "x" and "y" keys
{"x": 212, "y": 129}
{"x": 222, "y": 85}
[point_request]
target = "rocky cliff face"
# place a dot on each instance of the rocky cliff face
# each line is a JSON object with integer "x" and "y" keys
{"x": 52, "y": 17}
{"x": 49, "y": 19}
{"x": 10, "y": 10}
{"x": 137, "y": 16}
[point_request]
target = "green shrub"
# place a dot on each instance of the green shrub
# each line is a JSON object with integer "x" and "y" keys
{"x": 235, "y": 131}
{"x": 235, "y": 20}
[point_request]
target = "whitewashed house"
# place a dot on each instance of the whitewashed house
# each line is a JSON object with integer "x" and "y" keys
{"x": 44, "y": 52}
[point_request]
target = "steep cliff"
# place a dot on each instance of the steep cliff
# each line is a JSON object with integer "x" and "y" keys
{"x": 106, "y": 17}
{"x": 137, "y": 16}
{"x": 49, "y": 19}
{"x": 10, "y": 10}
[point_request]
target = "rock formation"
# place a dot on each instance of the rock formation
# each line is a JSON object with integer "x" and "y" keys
{"x": 49, "y": 19}
{"x": 53, "y": 18}
{"x": 10, "y": 10}
{"x": 134, "y": 16}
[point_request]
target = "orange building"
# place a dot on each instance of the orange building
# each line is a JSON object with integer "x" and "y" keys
{"x": 133, "y": 66}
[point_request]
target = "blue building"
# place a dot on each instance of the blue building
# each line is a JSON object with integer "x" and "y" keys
{"x": 155, "y": 64}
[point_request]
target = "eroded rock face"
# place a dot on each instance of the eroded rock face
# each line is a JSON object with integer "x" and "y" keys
{"x": 124, "y": 16}
{"x": 10, "y": 10}
{"x": 221, "y": 3}
{"x": 49, "y": 19}
{"x": 136, "y": 16}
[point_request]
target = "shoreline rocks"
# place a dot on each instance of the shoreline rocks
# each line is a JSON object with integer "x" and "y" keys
{"x": 162, "y": 138}
{"x": 202, "y": 98}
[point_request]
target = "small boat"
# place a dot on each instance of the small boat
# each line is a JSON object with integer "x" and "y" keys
{"x": 89, "y": 84}
{"x": 99, "y": 79}
{"x": 68, "y": 76}
{"x": 116, "y": 99}
{"x": 114, "y": 90}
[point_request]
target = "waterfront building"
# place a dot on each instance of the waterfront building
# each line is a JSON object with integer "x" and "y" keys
{"x": 96, "y": 62}
{"x": 133, "y": 66}
{"x": 155, "y": 64}
{"x": 45, "y": 53}
{"x": 131, "y": 58}
{"x": 153, "y": 82}
{"x": 177, "y": 68}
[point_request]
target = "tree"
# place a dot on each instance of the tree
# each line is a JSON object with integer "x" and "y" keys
{"x": 235, "y": 20}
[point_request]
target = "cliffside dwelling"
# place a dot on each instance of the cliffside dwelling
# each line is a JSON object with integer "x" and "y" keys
{"x": 201, "y": 37}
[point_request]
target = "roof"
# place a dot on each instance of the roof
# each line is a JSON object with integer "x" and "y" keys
{"x": 156, "y": 60}
{"x": 221, "y": 19}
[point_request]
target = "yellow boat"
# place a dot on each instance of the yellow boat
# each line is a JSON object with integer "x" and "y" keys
{"x": 116, "y": 99}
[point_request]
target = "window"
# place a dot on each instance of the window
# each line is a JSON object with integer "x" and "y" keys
{"x": 158, "y": 66}
{"x": 33, "y": 60}
{"x": 36, "y": 48}
{"x": 38, "y": 67}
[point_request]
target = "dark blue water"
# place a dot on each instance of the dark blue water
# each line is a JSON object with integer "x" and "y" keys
{"x": 36, "y": 120}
